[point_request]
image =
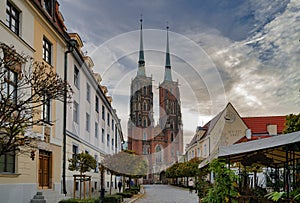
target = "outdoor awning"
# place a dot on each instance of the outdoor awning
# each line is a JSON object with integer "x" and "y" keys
{"x": 274, "y": 151}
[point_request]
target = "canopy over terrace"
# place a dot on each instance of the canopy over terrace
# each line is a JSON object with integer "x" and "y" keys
{"x": 273, "y": 152}
{"x": 282, "y": 151}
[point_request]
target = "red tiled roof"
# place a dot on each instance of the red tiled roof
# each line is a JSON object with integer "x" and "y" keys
{"x": 245, "y": 139}
{"x": 258, "y": 125}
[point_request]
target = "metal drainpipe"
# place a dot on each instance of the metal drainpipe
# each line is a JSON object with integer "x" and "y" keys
{"x": 71, "y": 45}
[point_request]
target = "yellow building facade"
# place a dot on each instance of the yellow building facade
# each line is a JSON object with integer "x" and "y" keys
{"x": 36, "y": 28}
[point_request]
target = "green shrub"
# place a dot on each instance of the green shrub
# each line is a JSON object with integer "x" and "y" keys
{"x": 112, "y": 199}
{"x": 72, "y": 200}
{"x": 125, "y": 194}
{"x": 135, "y": 189}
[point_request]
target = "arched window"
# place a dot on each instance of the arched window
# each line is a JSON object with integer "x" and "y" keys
{"x": 145, "y": 123}
{"x": 172, "y": 137}
{"x": 145, "y": 90}
{"x": 145, "y": 106}
{"x": 158, "y": 154}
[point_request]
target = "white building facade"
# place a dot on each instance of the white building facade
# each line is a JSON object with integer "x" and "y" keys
{"x": 92, "y": 124}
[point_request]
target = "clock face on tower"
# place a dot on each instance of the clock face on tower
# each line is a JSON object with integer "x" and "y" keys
{"x": 229, "y": 117}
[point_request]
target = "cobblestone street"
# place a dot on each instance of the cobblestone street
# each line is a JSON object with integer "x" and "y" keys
{"x": 167, "y": 194}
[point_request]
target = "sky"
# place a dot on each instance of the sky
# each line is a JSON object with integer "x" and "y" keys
{"x": 243, "y": 52}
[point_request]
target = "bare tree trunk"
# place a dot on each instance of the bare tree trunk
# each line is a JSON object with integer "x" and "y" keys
{"x": 110, "y": 183}
{"x": 80, "y": 180}
{"x": 102, "y": 190}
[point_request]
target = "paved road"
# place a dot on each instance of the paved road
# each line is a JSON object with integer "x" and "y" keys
{"x": 167, "y": 194}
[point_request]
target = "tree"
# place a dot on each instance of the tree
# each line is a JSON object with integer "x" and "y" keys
{"x": 223, "y": 189}
{"x": 26, "y": 90}
{"x": 82, "y": 162}
{"x": 126, "y": 163}
{"x": 292, "y": 123}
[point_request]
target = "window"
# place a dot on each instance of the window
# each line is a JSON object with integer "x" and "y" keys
{"x": 144, "y": 136}
{"x": 88, "y": 92}
{"x": 108, "y": 140}
{"x": 76, "y": 76}
{"x": 7, "y": 163}
{"x": 75, "y": 112}
{"x": 108, "y": 119}
{"x": 97, "y": 104}
{"x": 145, "y": 90}
{"x": 77, "y": 186}
{"x": 96, "y": 168}
{"x": 47, "y": 109}
{"x": 74, "y": 150}
{"x": 103, "y": 112}
{"x": 48, "y": 6}
{"x": 47, "y": 46}
{"x": 12, "y": 17}
{"x": 172, "y": 137}
{"x": 112, "y": 124}
{"x": 96, "y": 184}
{"x": 144, "y": 149}
{"x": 145, "y": 123}
{"x": 9, "y": 84}
{"x": 96, "y": 130}
{"x": 103, "y": 135}
{"x": 158, "y": 154}
{"x": 87, "y": 122}
{"x": 112, "y": 143}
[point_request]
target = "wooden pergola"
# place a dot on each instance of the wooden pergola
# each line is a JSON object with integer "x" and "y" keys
{"x": 82, "y": 178}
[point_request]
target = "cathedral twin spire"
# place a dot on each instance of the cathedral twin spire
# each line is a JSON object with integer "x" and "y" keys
{"x": 141, "y": 62}
{"x": 141, "y": 69}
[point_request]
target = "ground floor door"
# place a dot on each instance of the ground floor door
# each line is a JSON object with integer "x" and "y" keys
{"x": 44, "y": 176}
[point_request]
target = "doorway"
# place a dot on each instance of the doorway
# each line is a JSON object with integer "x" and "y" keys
{"x": 45, "y": 159}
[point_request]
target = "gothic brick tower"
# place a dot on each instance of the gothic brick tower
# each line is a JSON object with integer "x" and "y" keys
{"x": 140, "y": 124}
{"x": 170, "y": 113}
{"x": 161, "y": 144}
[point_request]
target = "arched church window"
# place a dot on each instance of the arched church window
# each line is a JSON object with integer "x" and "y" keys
{"x": 158, "y": 154}
{"x": 145, "y": 123}
{"x": 145, "y": 90}
{"x": 145, "y": 106}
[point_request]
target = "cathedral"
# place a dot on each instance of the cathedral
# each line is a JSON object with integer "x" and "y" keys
{"x": 160, "y": 144}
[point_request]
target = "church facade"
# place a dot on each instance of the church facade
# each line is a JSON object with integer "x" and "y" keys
{"x": 160, "y": 144}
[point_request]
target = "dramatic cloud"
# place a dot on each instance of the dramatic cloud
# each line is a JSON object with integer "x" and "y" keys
{"x": 245, "y": 52}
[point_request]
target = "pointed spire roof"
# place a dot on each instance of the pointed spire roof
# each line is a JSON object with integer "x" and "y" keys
{"x": 141, "y": 69}
{"x": 168, "y": 75}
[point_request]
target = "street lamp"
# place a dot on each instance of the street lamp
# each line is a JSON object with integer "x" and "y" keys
{"x": 71, "y": 45}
